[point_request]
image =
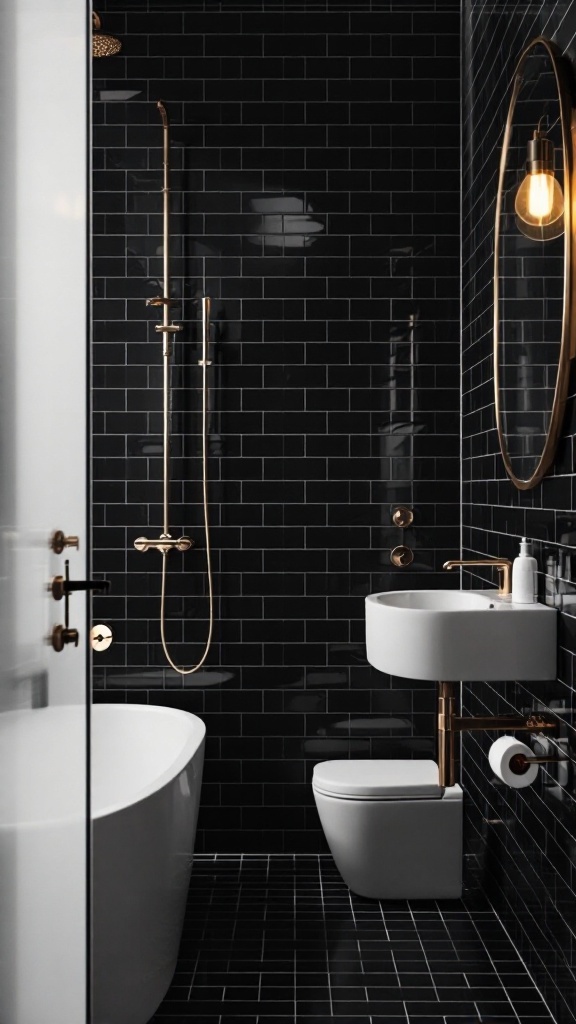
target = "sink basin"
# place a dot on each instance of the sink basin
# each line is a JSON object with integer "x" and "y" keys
{"x": 459, "y": 634}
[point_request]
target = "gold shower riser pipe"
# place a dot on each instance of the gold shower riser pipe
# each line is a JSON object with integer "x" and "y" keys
{"x": 167, "y": 347}
{"x": 165, "y": 543}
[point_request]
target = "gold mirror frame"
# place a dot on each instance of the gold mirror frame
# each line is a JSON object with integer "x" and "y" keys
{"x": 567, "y": 348}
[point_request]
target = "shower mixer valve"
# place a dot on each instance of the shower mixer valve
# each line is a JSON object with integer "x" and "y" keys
{"x": 163, "y": 543}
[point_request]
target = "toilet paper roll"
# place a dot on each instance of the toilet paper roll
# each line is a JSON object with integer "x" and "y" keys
{"x": 501, "y": 753}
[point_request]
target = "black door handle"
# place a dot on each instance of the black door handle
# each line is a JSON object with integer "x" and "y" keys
{"x": 62, "y": 586}
{"x": 98, "y": 586}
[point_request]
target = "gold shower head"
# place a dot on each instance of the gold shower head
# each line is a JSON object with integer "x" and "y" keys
{"x": 102, "y": 44}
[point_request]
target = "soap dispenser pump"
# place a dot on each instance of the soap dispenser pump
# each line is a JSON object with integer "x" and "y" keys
{"x": 524, "y": 576}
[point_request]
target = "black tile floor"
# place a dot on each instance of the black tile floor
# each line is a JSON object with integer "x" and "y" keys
{"x": 281, "y": 940}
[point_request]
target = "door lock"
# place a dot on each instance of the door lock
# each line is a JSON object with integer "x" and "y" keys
{"x": 62, "y": 635}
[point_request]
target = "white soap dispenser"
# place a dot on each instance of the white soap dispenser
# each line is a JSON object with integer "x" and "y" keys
{"x": 524, "y": 576}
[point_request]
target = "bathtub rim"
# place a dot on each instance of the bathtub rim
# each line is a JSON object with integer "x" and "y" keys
{"x": 193, "y": 744}
{"x": 27, "y": 821}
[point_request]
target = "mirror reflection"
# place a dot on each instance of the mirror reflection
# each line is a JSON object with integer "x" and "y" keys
{"x": 530, "y": 265}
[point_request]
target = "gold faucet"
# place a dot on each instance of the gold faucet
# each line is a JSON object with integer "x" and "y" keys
{"x": 504, "y": 566}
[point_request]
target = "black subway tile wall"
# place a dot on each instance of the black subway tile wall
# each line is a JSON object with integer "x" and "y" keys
{"x": 316, "y": 200}
{"x": 525, "y": 840}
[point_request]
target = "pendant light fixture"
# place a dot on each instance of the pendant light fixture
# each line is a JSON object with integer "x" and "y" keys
{"x": 539, "y": 200}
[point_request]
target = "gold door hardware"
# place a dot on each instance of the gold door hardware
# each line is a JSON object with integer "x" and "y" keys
{"x": 59, "y": 541}
{"x": 504, "y": 566}
{"x": 402, "y": 517}
{"x": 163, "y": 543}
{"x": 401, "y": 556}
{"x": 62, "y": 587}
{"x": 62, "y": 635}
{"x": 101, "y": 637}
{"x": 449, "y": 724}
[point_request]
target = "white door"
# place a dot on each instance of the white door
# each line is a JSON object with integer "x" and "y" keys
{"x": 43, "y": 460}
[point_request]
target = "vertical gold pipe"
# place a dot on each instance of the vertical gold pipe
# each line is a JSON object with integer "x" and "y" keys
{"x": 167, "y": 346}
{"x": 446, "y": 749}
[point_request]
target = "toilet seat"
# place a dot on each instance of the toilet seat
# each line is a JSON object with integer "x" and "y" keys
{"x": 378, "y": 780}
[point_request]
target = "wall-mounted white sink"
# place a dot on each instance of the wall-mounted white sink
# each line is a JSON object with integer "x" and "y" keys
{"x": 459, "y": 634}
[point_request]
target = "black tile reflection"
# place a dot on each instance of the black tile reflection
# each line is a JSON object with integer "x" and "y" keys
{"x": 524, "y": 840}
{"x": 315, "y": 198}
{"x": 281, "y": 938}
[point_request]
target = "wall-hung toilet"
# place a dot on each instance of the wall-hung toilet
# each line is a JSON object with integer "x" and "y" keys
{"x": 393, "y": 831}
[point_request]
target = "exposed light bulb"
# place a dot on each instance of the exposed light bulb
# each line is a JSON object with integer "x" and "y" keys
{"x": 539, "y": 206}
{"x": 540, "y": 195}
{"x": 539, "y": 202}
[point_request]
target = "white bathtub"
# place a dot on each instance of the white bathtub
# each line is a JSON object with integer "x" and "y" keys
{"x": 146, "y": 776}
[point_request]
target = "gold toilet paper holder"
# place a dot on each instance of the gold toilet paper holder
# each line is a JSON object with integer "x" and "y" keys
{"x": 450, "y": 724}
{"x": 520, "y": 763}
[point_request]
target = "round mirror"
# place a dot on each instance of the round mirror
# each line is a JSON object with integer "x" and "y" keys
{"x": 533, "y": 265}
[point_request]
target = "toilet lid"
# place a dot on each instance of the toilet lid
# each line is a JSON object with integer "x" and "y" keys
{"x": 387, "y": 779}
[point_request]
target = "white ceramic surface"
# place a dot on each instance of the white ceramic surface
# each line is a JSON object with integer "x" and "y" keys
{"x": 456, "y": 634}
{"x": 146, "y": 777}
{"x": 407, "y": 847}
{"x": 378, "y": 778}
